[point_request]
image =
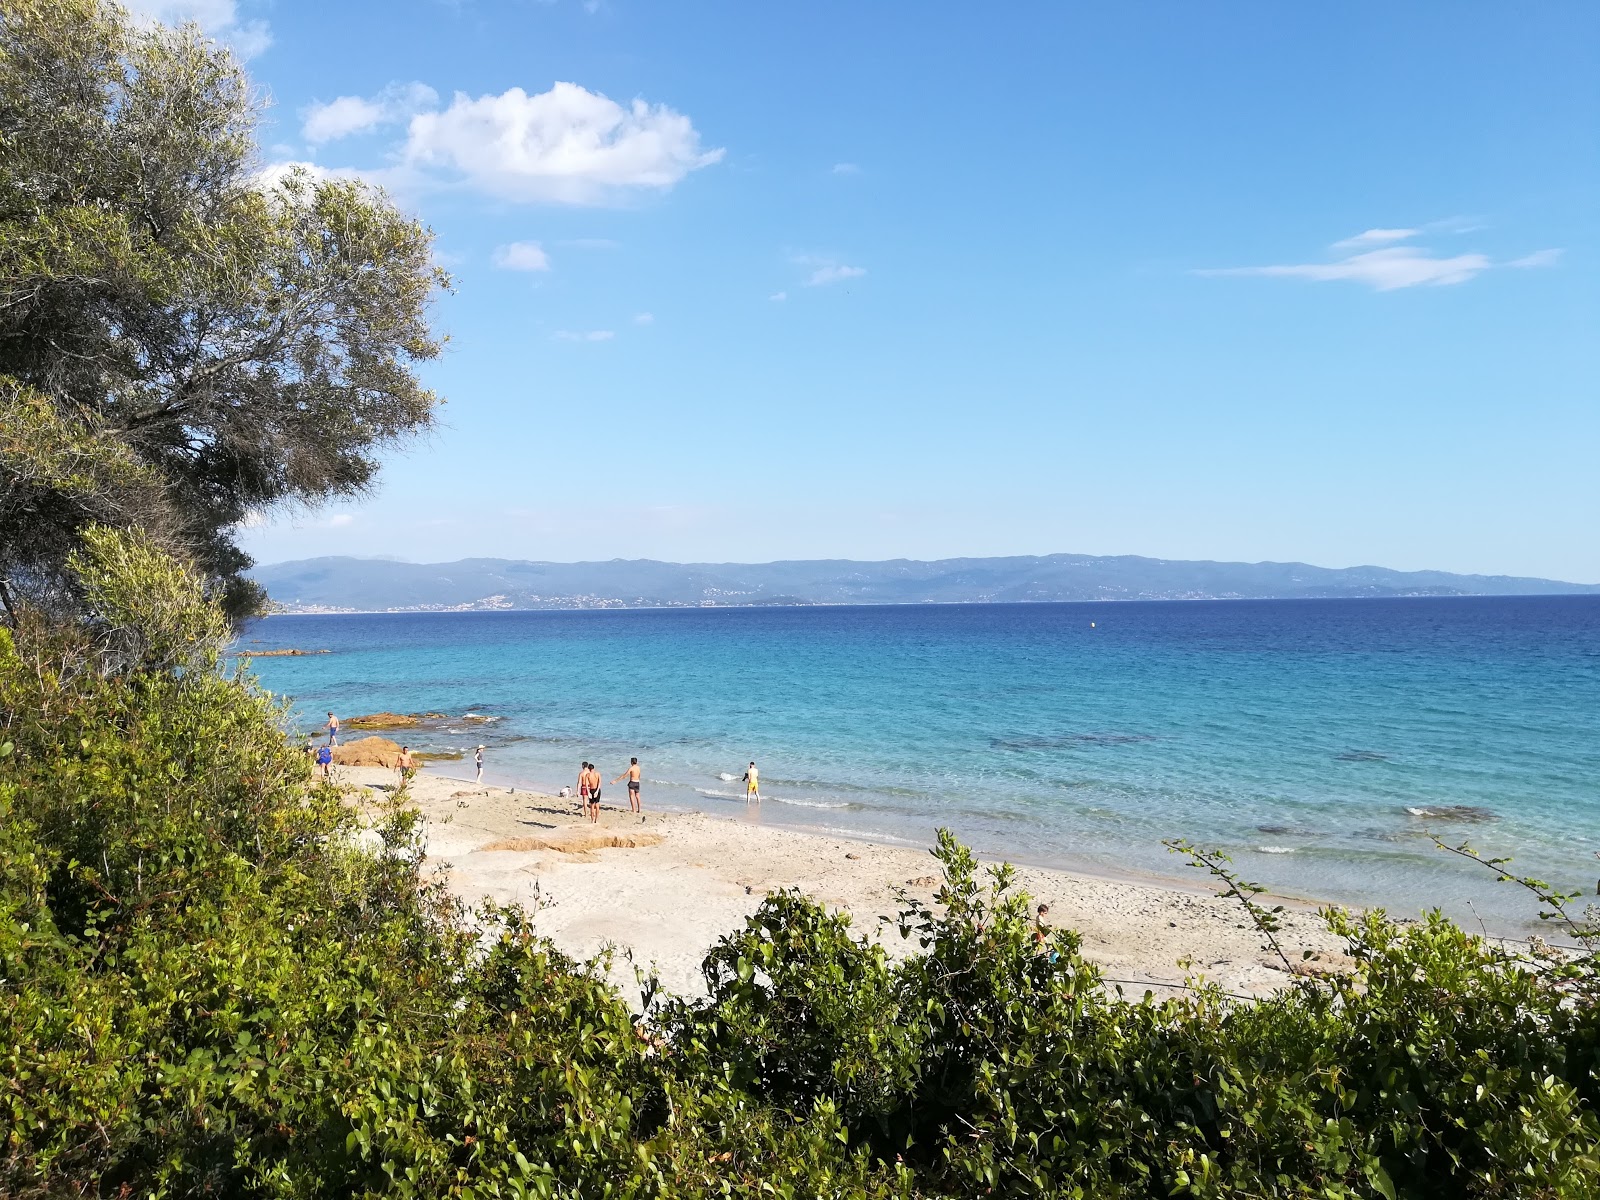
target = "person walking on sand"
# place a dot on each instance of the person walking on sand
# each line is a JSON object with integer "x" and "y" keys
{"x": 478, "y": 760}
{"x": 752, "y": 784}
{"x": 632, "y": 775}
{"x": 333, "y": 730}
{"x": 324, "y": 760}
{"x": 594, "y": 794}
{"x": 405, "y": 766}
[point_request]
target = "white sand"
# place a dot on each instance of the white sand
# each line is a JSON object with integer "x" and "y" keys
{"x": 668, "y": 902}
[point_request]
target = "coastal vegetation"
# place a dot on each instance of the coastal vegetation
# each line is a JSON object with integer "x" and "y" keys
{"x": 217, "y": 978}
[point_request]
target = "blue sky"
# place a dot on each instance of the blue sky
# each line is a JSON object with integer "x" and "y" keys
{"x": 748, "y": 281}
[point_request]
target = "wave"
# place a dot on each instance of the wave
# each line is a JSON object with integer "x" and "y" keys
{"x": 726, "y": 778}
{"x": 714, "y": 794}
{"x": 1276, "y": 849}
{"x": 1453, "y": 812}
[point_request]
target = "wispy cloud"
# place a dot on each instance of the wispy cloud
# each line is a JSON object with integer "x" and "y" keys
{"x": 833, "y": 273}
{"x": 779, "y": 296}
{"x": 1539, "y": 258}
{"x": 644, "y": 318}
{"x": 1375, "y": 237}
{"x": 825, "y": 269}
{"x": 521, "y": 256}
{"x": 591, "y": 243}
{"x": 1387, "y": 267}
{"x": 846, "y": 168}
{"x": 593, "y": 335}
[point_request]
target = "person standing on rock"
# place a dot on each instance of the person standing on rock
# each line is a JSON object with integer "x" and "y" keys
{"x": 333, "y": 730}
{"x": 635, "y": 804}
{"x": 478, "y": 762}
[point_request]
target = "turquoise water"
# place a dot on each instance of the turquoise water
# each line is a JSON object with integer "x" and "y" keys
{"x": 1298, "y": 735}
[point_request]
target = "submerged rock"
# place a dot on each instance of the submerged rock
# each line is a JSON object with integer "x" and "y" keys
{"x": 1453, "y": 812}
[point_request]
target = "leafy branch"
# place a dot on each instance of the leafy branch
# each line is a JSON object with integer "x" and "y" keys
{"x": 1217, "y": 864}
{"x": 1587, "y": 931}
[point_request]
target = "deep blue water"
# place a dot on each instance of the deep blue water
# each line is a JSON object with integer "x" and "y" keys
{"x": 1295, "y": 734}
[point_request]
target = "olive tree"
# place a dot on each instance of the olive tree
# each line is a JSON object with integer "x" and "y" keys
{"x": 184, "y": 340}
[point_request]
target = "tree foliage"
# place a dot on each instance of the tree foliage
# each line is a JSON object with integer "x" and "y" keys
{"x": 183, "y": 342}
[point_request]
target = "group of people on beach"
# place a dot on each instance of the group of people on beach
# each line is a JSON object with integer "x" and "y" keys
{"x": 590, "y": 786}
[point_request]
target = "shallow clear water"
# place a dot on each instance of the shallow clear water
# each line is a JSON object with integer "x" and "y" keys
{"x": 1295, "y": 734}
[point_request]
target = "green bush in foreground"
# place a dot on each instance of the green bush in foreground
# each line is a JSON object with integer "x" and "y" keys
{"x": 204, "y": 990}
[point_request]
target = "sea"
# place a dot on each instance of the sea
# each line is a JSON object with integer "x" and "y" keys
{"x": 1320, "y": 743}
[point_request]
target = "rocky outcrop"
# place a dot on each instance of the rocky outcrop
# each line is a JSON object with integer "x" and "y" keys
{"x": 367, "y": 752}
{"x": 391, "y": 720}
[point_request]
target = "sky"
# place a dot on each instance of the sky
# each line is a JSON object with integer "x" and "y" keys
{"x": 744, "y": 282}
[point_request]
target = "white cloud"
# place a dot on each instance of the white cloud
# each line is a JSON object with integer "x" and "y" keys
{"x": 1391, "y": 267}
{"x": 340, "y": 520}
{"x": 567, "y": 145}
{"x": 644, "y": 318}
{"x": 593, "y": 335}
{"x": 1375, "y": 237}
{"x": 349, "y": 115}
{"x": 833, "y": 273}
{"x": 521, "y": 256}
{"x": 825, "y": 269}
{"x": 844, "y": 168}
{"x": 779, "y": 296}
{"x": 1539, "y": 258}
{"x": 218, "y": 18}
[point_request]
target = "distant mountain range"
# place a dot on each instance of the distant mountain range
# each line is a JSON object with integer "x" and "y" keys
{"x": 473, "y": 584}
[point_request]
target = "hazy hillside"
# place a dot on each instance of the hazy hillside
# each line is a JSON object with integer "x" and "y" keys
{"x": 359, "y": 584}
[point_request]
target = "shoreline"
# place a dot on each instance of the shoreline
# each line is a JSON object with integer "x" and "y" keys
{"x": 669, "y": 884}
{"x": 1195, "y": 883}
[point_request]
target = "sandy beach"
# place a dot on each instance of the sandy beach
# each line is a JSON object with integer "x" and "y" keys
{"x": 665, "y": 887}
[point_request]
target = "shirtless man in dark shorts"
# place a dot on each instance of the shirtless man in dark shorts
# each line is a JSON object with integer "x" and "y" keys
{"x": 592, "y": 775}
{"x": 632, "y": 775}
